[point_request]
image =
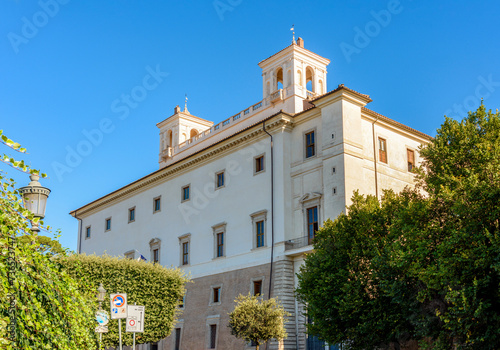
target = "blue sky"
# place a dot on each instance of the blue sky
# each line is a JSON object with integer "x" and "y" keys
{"x": 67, "y": 66}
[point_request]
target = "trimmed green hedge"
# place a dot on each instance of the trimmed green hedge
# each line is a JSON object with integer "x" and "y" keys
{"x": 157, "y": 288}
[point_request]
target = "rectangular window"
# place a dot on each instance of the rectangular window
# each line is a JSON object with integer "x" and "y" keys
{"x": 259, "y": 164}
{"x": 382, "y": 150}
{"x": 411, "y": 159}
{"x": 220, "y": 244}
{"x": 185, "y": 193}
{"x": 312, "y": 223}
{"x": 156, "y": 204}
{"x": 87, "y": 232}
{"x": 108, "y": 224}
{"x": 257, "y": 287}
{"x": 259, "y": 229}
{"x": 216, "y": 295}
{"x": 219, "y": 180}
{"x": 185, "y": 253}
{"x": 310, "y": 145}
{"x": 213, "y": 335}
{"x": 131, "y": 215}
{"x": 156, "y": 255}
{"x": 177, "y": 338}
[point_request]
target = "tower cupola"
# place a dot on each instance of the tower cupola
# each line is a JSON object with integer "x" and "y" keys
{"x": 293, "y": 75}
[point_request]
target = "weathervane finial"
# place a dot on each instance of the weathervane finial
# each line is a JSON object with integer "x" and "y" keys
{"x": 186, "y": 104}
{"x": 293, "y": 33}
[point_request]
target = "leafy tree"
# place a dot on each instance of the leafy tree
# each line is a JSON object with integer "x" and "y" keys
{"x": 425, "y": 268}
{"x": 256, "y": 320}
{"x": 157, "y": 288}
{"x": 44, "y": 244}
{"x": 40, "y": 306}
{"x": 355, "y": 292}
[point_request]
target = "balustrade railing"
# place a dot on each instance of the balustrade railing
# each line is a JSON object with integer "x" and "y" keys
{"x": 296, "y": 243}
{"x": 216, "y": 128}
{"x": 277, "y": 95}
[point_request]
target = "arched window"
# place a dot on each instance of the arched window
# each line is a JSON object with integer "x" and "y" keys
{"x": 193, "y": 133}
{"x": 310, "y": 79}
{"x": 279, "y": 78}
{"x": 299, "y": 77}
{"x": 170, "y": 138}
{"x": 183, "y": 137}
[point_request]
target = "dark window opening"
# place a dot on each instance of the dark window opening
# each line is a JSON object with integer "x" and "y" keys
{"x": 216, "y": 295}
{"x": 185, "y": 253}
{"x": 259, "y": 164}
{"x": 220, "y": 244}
{"x": 382, "y": 150}
{"x": 213, "y": 335}
{"x": 220, "y": 179}
{"x": 260, "y": 233}
{"x": 312, "y": 223}
{"x": 156, "y": 255}
{"x": 257, "y": 287}
{"x": 310, "y": 144}
{"x": 177, "y": 338}
{"x": 411, "y": 159}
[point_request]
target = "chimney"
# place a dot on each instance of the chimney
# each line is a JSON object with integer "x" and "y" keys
{"x": 177, "y": 109}
{"x": 300, "y": 42}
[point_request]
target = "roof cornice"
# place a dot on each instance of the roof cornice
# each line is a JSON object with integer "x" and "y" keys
{"x": 185, "y": 116}
{"x": 295, "y": 49}
{"x": 278, "y": 120}
{"x": 368, "y": 112}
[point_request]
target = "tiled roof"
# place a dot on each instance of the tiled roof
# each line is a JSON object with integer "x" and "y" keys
{"x": 342, "y": 87}
{"x": 393, "y": 122}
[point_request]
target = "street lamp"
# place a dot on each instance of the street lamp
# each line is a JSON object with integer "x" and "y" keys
{"x": 35, "y": 199}
{"x": 100, "y": 295}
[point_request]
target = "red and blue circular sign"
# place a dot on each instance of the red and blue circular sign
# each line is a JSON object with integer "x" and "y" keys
{"x": 118, "y": 300}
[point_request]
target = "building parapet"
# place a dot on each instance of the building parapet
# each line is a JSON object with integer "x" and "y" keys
{"x": 169, "y": 152}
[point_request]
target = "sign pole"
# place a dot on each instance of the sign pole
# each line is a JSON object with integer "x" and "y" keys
{"x": 120, "y": 332}
{"x": 133, "y": 346}
{"x": 119, "y": 311}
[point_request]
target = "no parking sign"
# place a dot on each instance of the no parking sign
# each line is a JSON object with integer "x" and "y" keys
{"x": 118, "y": 305}
{"x": 135, "y": 319}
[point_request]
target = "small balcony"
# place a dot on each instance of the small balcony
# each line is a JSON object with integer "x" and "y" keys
{"x": 297, "y": 243}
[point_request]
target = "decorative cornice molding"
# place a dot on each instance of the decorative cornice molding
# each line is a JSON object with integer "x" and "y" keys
{"x": 280, "y": 121}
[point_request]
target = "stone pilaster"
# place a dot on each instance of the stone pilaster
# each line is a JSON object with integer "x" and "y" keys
{"x": 284, "y": 291}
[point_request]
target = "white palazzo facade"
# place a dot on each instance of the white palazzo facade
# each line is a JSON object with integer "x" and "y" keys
{"x": 236, "y": 204}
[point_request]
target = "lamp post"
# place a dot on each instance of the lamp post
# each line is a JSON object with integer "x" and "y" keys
{"x": 35, "y": 199}
{"x": 100, "y": 295}
{"x": 102, "y": 316}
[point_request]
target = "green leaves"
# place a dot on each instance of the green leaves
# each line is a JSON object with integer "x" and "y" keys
{"x": 39, "y": 301}
{"x": 157, "y": 288}
{"x": 8, "y": 142}
{"x": 257, "y": 320}
{"x": 415, "y": 267}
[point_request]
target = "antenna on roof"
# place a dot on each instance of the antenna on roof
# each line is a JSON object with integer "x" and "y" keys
{"x": 186, "y": 105}
{"x": 293, "y": 33}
